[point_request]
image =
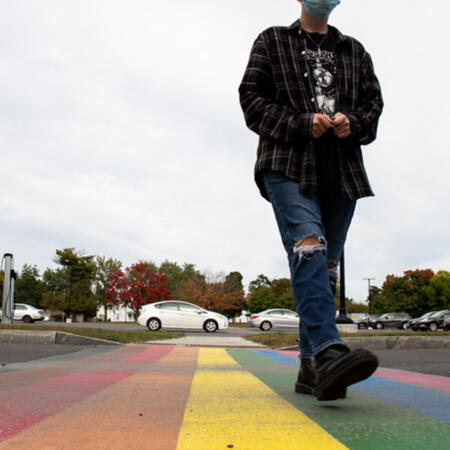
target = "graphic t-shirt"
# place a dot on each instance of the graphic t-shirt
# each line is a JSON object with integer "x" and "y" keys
{"x": 323, "y": 70}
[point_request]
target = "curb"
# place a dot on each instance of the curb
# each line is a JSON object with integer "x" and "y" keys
{"x": 394, "y": 343}
{"x": 49, "y": 337}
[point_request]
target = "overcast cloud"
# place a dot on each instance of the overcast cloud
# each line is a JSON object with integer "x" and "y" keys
{"x": 122, "y": 135}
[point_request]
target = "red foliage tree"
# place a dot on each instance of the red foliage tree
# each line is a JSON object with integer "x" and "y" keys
{"x": 136, "y": 286}
{"x": 215, "y": 296}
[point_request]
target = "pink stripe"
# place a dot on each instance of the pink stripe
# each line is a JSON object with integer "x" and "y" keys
{"x": 435, "y": 382}
{"x": 25, "y": 406}
{"x": 293, "y": 353}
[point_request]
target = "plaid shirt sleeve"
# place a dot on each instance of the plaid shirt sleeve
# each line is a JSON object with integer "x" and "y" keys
{"x": 262, "y": 113}
{"x": 364, "y": 120}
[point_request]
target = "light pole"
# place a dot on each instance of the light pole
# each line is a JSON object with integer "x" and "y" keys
{"x": 342, "y": 316}
{"x": 368, "y": 295}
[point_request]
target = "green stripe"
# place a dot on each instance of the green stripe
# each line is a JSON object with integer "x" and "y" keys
{"x": 360, "y": 421}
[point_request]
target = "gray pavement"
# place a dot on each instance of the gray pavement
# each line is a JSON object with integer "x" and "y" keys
{"x": 14, "y": 353}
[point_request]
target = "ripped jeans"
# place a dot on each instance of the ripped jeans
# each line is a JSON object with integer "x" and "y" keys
{"x": 326, "y": 216}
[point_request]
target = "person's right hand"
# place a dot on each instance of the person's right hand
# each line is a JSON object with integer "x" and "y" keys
{"x": 321, "y": 123}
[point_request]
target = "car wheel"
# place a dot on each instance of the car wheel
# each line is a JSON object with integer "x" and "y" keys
{"x": 379, "y": 326}
{"x": 405, "y": 325}
{"x": 265, "y": 326}
{"x": 433, "y": 326}
{"x": 362, "y": 326}
{"x": 27, "y": 319}
{"x": 153, "y": 324}
{"x": 210, "y": 326}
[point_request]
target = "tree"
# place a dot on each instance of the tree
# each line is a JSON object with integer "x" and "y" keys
{"x": 437, "y": 293}
{"x": 411, "y": 293}
{"x": 261, "y": 280}
{"x": 226, "y": 297}
{"x": 28, "y": 287}
{"x": 104, "y": 268}
{"x": 69, "y": 288}
{"x": 271, "y": 294}
{"x": 176, "y": 275}
{"x": 260, "y": 299}
{"x": 136, "y": 286}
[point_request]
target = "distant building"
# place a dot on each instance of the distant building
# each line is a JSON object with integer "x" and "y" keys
{"x": 243, "y": 318}
{"x": 119, "y": 314}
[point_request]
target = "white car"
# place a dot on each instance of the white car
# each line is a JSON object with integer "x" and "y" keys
{"x": 27, "y": 313}
{"x": 180, "y": 314}
{"x": 274, "y": 318}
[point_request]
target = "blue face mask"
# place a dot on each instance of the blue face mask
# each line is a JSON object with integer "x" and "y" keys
{"x": 320, "y": 9}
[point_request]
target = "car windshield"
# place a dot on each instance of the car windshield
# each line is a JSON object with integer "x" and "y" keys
{"x": 423, "y": 316}
{"x": 436, "y": 314}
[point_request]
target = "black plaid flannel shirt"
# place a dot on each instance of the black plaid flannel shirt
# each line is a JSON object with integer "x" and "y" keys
{"x": 278, "y": 101}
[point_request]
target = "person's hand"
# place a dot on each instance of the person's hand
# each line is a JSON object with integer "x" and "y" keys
{"x": 341, "y": 126}
{"x": 321, "y": 123}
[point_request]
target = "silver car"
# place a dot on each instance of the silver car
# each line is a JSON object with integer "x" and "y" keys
{"x": 276, "y": 318}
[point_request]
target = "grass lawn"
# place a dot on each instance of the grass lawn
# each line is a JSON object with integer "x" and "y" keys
{"x": 122, "y": 336}
{"x": 280, "y": 339}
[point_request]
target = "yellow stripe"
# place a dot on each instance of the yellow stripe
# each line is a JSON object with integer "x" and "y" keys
{"x": 229, "y": 406}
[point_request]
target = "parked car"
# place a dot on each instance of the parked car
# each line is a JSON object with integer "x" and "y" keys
{"x": 414, "y": 323}
{"x": 432, "y": 322}
{"x": 363, "y": 322}
{"x": 180, "y": 314}
{"x": 441, "y": 322}
{"x": 446, "y": 323}
{"x": 391, "y": 320}
{"x": 27, "y": 313}
{"x": 274, "y": 318}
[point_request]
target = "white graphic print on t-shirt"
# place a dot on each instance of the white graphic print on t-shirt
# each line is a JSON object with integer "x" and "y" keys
{"x": 323, "y": 68}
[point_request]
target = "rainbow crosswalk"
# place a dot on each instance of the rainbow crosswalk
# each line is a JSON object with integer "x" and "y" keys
{"x": 151, "y": 397}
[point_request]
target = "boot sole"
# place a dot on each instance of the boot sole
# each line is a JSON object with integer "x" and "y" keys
{"x": 350, "y": 369}
{"x": 332, "y": 393}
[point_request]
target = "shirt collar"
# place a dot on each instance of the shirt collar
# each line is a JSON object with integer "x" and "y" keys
{"x": 339, "y": 36}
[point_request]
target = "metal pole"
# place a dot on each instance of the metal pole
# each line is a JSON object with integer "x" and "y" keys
{"x": 342, "y": 317}
{"x": 8, "y": 290}
{"x": 368, "y": 294}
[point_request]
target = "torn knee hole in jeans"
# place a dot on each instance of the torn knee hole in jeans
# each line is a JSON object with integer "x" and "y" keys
{"x": 308, "y": 251}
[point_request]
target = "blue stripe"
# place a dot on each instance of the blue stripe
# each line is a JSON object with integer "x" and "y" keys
{"x": 277, "y": 357}
{"x": 426, "y": 401}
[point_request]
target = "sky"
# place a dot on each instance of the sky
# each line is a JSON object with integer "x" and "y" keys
{"x": 121, "y": 135}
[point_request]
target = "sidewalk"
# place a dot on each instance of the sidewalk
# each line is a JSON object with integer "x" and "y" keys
{"x": 166, "y": 397}
{"x": 209, "y": 340}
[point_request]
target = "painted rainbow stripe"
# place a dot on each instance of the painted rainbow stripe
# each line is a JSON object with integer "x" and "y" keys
{"x": 190, "y": 398}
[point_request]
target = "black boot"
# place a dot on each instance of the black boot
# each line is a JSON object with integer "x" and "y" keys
{"x": 306, "y": 381}
{"x": 338, "y": 367}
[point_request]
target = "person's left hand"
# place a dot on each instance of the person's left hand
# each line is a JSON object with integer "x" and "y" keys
{"x": 341, "y": 126}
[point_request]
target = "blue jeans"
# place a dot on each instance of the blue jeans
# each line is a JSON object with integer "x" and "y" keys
{"x": 326, "y": 216}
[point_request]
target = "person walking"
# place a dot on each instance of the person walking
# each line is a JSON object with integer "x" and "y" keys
{"x": 311, "y": 94}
